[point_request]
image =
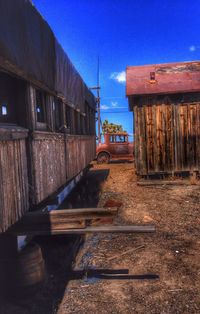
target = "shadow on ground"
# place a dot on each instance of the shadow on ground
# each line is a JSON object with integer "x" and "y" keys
{"x": 58, "y": 252}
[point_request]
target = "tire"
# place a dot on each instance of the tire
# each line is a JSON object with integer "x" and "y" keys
{"x": 103, "y": 158}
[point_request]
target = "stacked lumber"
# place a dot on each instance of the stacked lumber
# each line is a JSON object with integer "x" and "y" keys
{"x": 72, "y": 221}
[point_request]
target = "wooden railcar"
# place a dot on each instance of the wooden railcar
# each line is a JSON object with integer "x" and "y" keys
{"x": 165, "y": 100}
{"x": 47, "y": 113}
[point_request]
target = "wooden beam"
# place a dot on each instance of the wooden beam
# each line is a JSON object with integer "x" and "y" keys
{"x": 121, "y": 229}
{"x": 163, "y": 182}
{"x": 51, "y": 222}
{"x": 48, "y": 228}
{"x": 98, "y": 229}
{"x": 64, "y": 215}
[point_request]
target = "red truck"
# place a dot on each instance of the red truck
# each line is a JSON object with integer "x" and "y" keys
{"x": 115, "y": 147}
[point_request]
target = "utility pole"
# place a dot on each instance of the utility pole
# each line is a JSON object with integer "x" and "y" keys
{"x": 98, "y": 100}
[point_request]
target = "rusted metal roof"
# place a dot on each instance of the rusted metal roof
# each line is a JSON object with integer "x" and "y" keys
{"x": 163, "y": 78}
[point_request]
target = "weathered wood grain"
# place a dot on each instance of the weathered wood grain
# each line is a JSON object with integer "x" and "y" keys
{"x": 94, "y": 229}
{"x": 55, "y": 159}
{"x": 14, "y": 197}
{"x": 167, "y": 134}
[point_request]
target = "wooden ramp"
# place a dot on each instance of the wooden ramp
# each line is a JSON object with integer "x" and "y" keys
{"x": 73, "y": 221}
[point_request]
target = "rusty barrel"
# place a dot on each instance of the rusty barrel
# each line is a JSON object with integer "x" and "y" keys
{"x": 30, "y": 268}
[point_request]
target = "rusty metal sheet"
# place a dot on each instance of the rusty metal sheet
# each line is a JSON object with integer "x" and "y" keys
{"x": 163, "y": 78}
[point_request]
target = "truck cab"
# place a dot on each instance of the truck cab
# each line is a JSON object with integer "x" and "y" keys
{"x": 115, "y": 147}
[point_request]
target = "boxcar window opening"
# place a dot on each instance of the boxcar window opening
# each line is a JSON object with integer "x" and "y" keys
{"x": 4, "y": 109}
{"x": 77, "y": 122}
{"x": 83, "y": 125}
{"x": 69, "y": 119}
{"x": 40, "y": 106}
{"x": 4, "y": 113}
{"x": 8, "y": 99}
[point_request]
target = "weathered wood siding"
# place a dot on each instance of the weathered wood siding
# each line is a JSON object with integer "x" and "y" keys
{"x": 48, "y": 167}
{"x": 167, "y": 137}
{"x": 81, "y": 150}
{"x": 55, "y": 159}
{"x": 14, "y": 197}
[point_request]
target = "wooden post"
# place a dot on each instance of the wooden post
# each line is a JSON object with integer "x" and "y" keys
{"x": 31, "y": 100}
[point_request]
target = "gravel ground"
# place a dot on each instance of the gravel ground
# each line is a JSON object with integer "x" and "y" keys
{"x": 125, "y": 273}
{"x": 163, "y": 268}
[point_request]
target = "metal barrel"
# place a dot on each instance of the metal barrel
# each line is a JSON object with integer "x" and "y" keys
{"x": 30, "y": 269}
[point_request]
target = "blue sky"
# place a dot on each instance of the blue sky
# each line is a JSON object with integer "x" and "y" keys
{"x": 122, "y": 33}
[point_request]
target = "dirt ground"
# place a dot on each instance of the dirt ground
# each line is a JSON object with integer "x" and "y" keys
{"x": 125, "y": 273}
{"x": 163, "y": 268}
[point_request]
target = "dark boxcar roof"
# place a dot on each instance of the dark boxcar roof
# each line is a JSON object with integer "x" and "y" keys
{"x": 29, "y": 49}
{"x": 166, "y": 78}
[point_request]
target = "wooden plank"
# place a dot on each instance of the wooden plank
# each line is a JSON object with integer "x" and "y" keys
{"x": 14, "y": 198}
{"x": 56, "y": 216}
{"x": 48, "y": 228}
{"x": 176, "y": 144}
{"x": 181, "y": 136}
{"x": 163, "y": 127}
{"x": 185, "y": 165}
{"x": 120, "y": 229}
{"x": 148, "y": 126}
{"x": 163, "y": 182}
{"x": 136, "y": 141}
{"x": 155, "y": 138}
{"x": 172, "y": 141}
{"x": 144, "y": 140}
{"x": 198, "y": 137}
{"x": 98, "y": 229}
{"x": 194, "y": 136}
{"x": 12, "y": 134}
{"x": 159, "y": 137}
{"x": 61, "y": 219}
{"x": 168, "y": 165}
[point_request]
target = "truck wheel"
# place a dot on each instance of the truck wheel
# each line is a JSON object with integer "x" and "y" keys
{"x": 103, "y": 158}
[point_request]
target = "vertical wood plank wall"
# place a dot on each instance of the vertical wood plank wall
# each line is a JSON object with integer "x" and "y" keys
{"x": 57, "y": 158}
{"x": 48, "y": 168}
{"x": 81, "y": 150}
{"x": 14, "y": 196}
{"x": 35, "y": 163}
{"x": 167, "y": 137}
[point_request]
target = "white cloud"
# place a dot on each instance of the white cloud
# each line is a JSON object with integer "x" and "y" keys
{"x": 104, "y": 107}
{"x": 112, "y": 107}
{"x": 192, "y": 48}
{"x": 120, "y": 77}
{"x": 114, "y": 104}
